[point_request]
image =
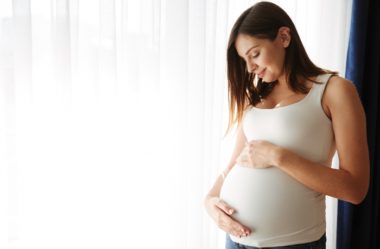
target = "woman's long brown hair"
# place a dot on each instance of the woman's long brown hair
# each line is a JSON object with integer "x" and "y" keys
{"x": 262, "y": 21}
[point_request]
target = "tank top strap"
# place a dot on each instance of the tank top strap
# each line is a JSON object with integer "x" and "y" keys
{"x": 320, "y": 88}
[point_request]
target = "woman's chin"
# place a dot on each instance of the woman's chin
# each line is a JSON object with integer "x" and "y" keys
{"x": 268, "y": 80}
{"x": 265, "y": 79}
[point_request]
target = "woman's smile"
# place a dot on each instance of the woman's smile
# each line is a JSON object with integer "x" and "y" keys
{"x": 261, "y": 74}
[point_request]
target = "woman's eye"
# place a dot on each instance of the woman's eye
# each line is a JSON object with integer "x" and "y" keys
{"x": 252, "y": 56}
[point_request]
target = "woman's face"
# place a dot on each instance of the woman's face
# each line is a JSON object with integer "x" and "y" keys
{"x": 264, "y": 55}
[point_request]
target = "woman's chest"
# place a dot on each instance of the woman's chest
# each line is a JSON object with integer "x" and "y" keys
{"x": 301, "y": 129}
{"x": 284, "y": 97}
{"x": 270, "y": 103}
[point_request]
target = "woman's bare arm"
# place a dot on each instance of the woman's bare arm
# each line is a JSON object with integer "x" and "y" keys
{"x": 351, "y": 181}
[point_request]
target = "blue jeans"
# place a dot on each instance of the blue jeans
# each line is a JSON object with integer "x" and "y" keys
{"x": 318, "y": 244}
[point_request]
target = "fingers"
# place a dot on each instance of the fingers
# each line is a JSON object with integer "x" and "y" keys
{"x": 230, "y": 226}
{"x": 236, "y": 228}
{"x": 226, "y": 223}
{"x": 227, "y": 209}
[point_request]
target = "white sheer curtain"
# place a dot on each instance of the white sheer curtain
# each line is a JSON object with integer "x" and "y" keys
{"x": 112, "y": 114}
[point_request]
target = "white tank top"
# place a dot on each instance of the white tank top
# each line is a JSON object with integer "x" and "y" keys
{"x": 278, "y": 209}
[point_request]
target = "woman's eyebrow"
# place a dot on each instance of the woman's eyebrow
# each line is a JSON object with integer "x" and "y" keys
{"x": 250, "y": 49}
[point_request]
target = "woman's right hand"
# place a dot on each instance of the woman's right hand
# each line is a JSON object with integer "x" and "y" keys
{"x": 220, "y": 213}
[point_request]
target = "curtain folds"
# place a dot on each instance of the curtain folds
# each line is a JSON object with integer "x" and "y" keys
{"x": 359, "y": 225}
{"x": 112, "y": 114}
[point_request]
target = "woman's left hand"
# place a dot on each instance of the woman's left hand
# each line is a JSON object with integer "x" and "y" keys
{"x": 259, "y": 154}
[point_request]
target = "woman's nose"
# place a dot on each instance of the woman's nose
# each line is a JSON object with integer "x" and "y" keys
{"x": 250, "y": 68}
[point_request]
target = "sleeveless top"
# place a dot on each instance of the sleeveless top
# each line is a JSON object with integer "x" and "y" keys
{"x": 278, "y": 209}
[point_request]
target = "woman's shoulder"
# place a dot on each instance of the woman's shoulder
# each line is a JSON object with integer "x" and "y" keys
{"x": 336, "y": 83}
{"x": 338, "y": 90}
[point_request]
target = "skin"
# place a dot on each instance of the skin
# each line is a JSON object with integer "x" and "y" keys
{"x": 341, "y": 104}
{"x": 271, "y": 56}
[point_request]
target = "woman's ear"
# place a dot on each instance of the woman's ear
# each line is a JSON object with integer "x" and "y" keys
{"x": 284, "y": 35}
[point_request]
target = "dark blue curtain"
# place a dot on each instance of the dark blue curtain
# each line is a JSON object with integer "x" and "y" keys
{"x": 359, "y": 225}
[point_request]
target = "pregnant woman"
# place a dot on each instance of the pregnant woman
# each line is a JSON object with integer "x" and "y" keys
{"x": 291, "y": 121}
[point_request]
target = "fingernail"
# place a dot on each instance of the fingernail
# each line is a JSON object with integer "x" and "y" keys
{"x": 231, "y": 211}
{"x": 242, "y": 230}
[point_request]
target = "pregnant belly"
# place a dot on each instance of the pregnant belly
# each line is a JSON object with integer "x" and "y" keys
{"x": 269, "y": 202}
